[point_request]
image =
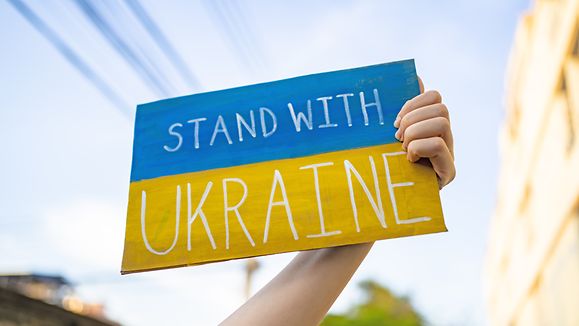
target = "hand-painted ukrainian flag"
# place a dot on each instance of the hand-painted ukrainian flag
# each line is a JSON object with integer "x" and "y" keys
{"x": 296, "y": 164}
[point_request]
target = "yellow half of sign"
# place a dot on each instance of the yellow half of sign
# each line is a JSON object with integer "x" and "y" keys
{"x": 324, "y": 200}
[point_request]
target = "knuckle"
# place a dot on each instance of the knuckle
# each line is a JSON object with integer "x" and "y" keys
{"x": 405, "y": 121}
{"x": 409, "y": 146}
{"x": 435, "y": 96}
{"x": 414, "y": 153}
{"x": 444, "y": 125}
{"x": 408, "y": 133}
{"x": 406, "y": 105}
{"x": 443, "y": 110}
{"x": 438, "y": 144}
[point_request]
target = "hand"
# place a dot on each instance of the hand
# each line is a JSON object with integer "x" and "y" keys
{"x": 424, "y": 130}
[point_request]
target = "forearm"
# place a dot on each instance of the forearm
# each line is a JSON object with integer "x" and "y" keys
{"x": 305, "y": 290}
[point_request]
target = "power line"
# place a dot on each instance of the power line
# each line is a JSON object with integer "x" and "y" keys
{"x": 70, "y": 55}
{"x": 163, "y": 43}
{"x": 123, "y": 25}
{"x": 235, "y": 30}
{"x": 244, "y": 27}
{"x": 126, "y": 52}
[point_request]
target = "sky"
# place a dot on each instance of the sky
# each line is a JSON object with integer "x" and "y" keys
{"x": 66, "y": 148}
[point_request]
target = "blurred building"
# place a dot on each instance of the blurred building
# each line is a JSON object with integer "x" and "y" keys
{"x": 532, "y": 275}
{"x": 38, "y": 299}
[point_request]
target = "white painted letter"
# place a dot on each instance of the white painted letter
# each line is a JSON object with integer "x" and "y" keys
{"x": 234, "y": 208}
{"x": 376, "y": 104}
{"x": 241, "y": 120}
{"x": 302, "y": 117}
{"x": 278, "y": 179}
{"x": 196, "y": 132}
{"x": 346, "y": 106}
{"x": 198, "y": 212}
{"x": 378, "y": 209}
{"x": 263, "y": 125}
{"x": 328, "y": 123}
{"x": 323, "y": 232}
{"x": 177, "y": 216}
{"x": 220, "y": 127}
{"x": 176, "y": 134}
{"x": 391, "y": 187}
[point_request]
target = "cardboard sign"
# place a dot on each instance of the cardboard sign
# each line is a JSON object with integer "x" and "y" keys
{"x": 296, "y": 164}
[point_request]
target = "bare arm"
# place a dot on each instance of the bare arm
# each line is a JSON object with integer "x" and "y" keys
{"x": 305, "y": 290}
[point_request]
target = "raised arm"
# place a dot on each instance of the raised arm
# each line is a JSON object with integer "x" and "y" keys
{"x": 303, "y": 292}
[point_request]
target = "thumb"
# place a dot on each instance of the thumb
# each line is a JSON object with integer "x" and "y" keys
{"x": 420, "y": 84}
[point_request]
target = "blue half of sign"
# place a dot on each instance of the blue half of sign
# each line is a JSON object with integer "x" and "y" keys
{"x": 289, "y": 118}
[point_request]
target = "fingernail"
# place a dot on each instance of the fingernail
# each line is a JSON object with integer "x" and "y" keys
{"x": 397, "y": 122}
{"x": 397, "y": 134}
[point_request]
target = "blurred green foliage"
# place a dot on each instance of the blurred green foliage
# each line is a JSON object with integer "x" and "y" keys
{"x": 380, "y": 307}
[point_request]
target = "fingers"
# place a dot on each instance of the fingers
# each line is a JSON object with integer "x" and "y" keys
{"x": 436, "y": 150}
{"x": 434, "y": 127}
{"x": 420, "y": 114}
{"x": 424, "y": 99}
{"x": 424, "y": 128}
